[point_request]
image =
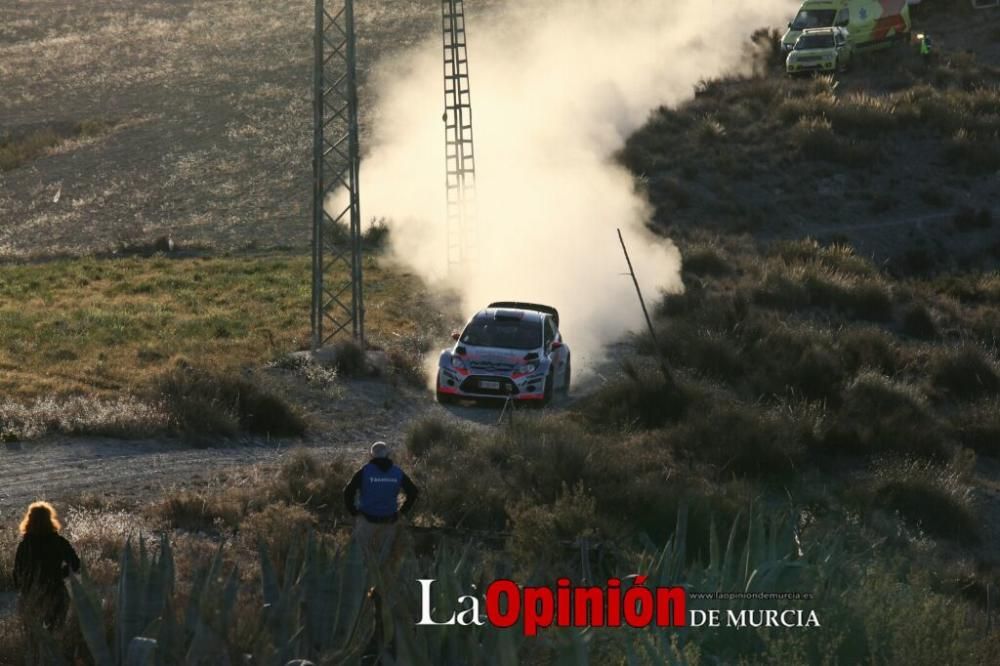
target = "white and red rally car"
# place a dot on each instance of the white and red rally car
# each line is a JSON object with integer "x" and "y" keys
{"x": 508, "y": 349}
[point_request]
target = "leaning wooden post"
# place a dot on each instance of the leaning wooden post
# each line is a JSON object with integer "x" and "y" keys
{"x": 667, "y": 375}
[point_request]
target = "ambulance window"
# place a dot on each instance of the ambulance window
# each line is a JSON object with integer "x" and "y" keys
{"x": 843, "y": 17}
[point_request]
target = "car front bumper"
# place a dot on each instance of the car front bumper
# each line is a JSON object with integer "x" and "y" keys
{"x": 821, "y": 66}
{"x": 473, "y": 386}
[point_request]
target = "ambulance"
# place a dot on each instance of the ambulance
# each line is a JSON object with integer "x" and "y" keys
{"x": 870, "y": 23}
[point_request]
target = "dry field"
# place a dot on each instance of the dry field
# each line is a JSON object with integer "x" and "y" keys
{"x": 207, "y": 111}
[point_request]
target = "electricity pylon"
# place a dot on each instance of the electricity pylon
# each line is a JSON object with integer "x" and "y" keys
{"x": 460, "y": 163}
{"x": 337, "y": 299}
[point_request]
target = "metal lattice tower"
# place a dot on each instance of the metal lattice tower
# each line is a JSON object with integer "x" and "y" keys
{"x": 337, "y": 299}
{"x": 460, "y": 163}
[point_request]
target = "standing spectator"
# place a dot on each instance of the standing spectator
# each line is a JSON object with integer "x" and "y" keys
{"x": 43, "y": 560}
{"x": 373, "y": 497}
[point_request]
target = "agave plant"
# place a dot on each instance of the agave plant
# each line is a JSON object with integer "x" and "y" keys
{"x": 328, "y": 607}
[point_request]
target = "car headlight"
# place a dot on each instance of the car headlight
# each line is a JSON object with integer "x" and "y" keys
{"x": 456, "y": 362}
{"x": 525, "y": 369}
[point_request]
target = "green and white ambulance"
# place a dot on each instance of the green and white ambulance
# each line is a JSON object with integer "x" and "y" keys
{"x": 871, "y": 23}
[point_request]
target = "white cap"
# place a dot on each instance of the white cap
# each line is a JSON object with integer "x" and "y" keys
{"x": 380, "y": 450}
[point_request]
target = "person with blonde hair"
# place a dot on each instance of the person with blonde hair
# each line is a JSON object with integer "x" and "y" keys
{"x": 43, "y": 560}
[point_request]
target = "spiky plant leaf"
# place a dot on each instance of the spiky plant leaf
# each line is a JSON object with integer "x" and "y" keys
{"x": 88, "y": 611}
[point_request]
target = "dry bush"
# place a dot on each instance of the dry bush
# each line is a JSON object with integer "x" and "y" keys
{"x": 640, "y": 398}
{"x": 9, "y": 538}
{"x": 278, "y": 526}
{"x": 349, "y": 359}
{"x": 541, "y": 535}
{"x": 977, "y": 426}
{"x": 304, "y": 480}
{"x": 783, "y": 359}
{"x": 798, "y": 286}
{"x": 17, "y": 151}
{"x": 204, "y": 403}
{"x": 748, "y": 441}
{"x": 863, "y": 114}
{"x": 880, "y": 415}
{"x": 965, "y": 373}
{"x": 124, "y": 418}
{"x": 932, "y": 498}
{"x": 868, "y": 348}
{"x": 203, "y": 510}
{"x": 706, "y": 261}
{"x": 972, "y": 152}
{"x": 708, "y": 351}
{"x": 435, "y": 431}
{"x": 918, "y": 323}
{"x": 308, "y": 368}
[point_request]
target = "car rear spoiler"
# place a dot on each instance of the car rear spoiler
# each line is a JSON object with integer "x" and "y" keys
{"x": 516, "y": 305}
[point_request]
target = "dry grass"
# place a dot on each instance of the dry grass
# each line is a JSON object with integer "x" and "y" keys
{"x": 16, "y": 151}
{"x": 102, "y": 327}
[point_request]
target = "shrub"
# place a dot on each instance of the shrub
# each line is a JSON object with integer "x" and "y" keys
{"x": 305, "y": 481}
{"x": 124, "y": 418}
{"x": 927, "y": 505}
{"x": 434, "y": 431}
{"x": 918, "y": 323}
{"x": 705, "y": 261}
{"x": 868, "y": 348}
{"x": 640, "y": 398}
{"x": 204, "y": 403}
{"x": 863, "y": 114}
{"x": 783, "y": 359}
{"x": 349, "y": 359}
{"x": 978, "y": 427}
{"x": 742, "y": 440}
{"x": 542, "y": 534}
{"x": 972, "y": 153}
{"x": 192, "y": 510}
{"x": 280, "y": 527}
{"x": 766, "y": 49}
{"x": 376, "y": 236}
{"x": 881, "y": 415}
{"x": 964, "y": 373}
{"x": 815, "y": 139}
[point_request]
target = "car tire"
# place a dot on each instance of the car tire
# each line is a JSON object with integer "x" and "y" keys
{"x": 549, "y": 389}
{"x": 567, "y": 375}
{"x": 445, "y": 398}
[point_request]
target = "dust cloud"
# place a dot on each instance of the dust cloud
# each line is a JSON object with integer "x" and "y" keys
{"x": 557, "y": 87}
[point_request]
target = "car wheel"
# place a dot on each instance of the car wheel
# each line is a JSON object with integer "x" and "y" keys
{"x": 445, "y": 398}
{"x": 549, "y": 388}
{"x": 567, "y": 374}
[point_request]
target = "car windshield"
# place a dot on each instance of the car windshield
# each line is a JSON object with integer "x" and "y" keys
{"x": 814, "y": 42}
{"x": 505, "y": 333}
{"x": 813, "y": 18}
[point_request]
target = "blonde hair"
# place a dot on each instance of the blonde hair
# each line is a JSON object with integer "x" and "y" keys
{"x": 40, "y": 518}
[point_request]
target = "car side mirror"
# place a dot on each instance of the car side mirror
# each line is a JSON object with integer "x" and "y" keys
{"x": 556, "y": 345}
{"x": 789, "y": 24}
{"x": 455, "y": 335}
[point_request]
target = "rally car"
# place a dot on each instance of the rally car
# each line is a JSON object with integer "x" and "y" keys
{"x": 509, "y": 349}
{"x": 820, "y": 50}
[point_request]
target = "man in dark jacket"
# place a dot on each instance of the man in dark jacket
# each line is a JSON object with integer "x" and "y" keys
{"x": 373, "y": 497}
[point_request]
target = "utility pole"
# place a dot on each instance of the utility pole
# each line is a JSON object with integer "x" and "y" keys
{"x": 460, "y": 163}
{"x": 337, "y": 298}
